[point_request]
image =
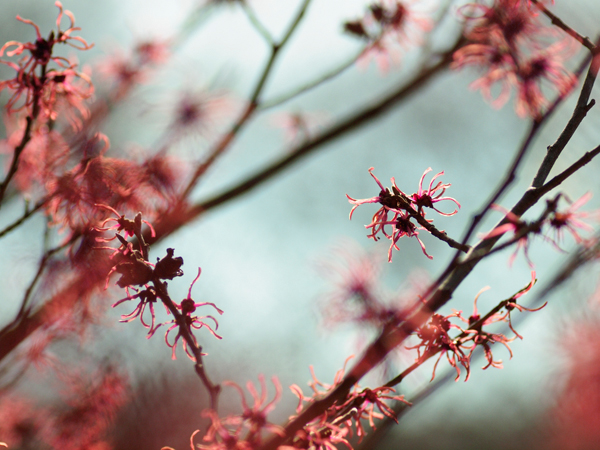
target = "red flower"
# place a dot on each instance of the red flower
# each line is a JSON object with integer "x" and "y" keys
{"x": 570, "y": 220}
{"x": 27, "y": 81}
{"x": 509, "y": 43}
{"x": 187, "y": 307}
{"x": 403, "y": 209}
{"x": 427, "y": 198}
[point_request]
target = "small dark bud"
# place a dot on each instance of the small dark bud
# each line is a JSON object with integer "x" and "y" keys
{"x": 355, "y": 28}
{"x": 187, "y": 306}
{"x": 169, "y": 267}
{"x": 378, "y": 12}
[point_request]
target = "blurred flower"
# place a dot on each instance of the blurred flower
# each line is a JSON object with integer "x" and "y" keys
{"x": 570, "y": 220}
{"x": 200, "y": 112}
{"x": 125, "y": 70}
{"x": 299, "y": 126}
{"x": 390, "y": 27}
{"x": 517, "y": 226}
{"x": 355, "y": 296}
{"x": 29, "y": 83}
{"x": 508, "y": 42}
{"x": 575, "y": 414}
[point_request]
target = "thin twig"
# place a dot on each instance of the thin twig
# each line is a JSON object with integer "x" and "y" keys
{"x": 253, "y": 102}
{"x": 558, "y": 22}
{"x": 262, "y": 30}
{"x": 581, "y": 109}
{"x": 26, "y": 215}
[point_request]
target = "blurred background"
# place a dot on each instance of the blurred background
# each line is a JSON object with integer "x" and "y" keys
{"x": 262, "y": 254}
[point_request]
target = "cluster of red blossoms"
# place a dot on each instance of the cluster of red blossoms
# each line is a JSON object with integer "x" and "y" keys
{"x": 434, "y": 335}
{"x": 399, "y": 209}
{"x": 148, "y": 281}
{"x": 62, "y": 165}
{"x": 39, "y": 84}
{"x": 335, "y": 426}
{"x": 509, "y": 41}
{"x": 342, "y": 419}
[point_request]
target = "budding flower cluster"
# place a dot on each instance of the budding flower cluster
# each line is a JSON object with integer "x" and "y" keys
{"x": 148, "y": 282}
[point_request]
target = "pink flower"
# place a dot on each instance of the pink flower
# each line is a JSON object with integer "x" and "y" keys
{"x": 243, "y": 431}
{"x": 403, "y": 210}
{"x": 509, "y": 43}
{"x": 402, "y": 226}
{"x": 547, "y": 66}
{"x": 512, "y": 304}
{"x": 354, "y": 297}
{"x": 125, "y": 71}
{"x": 427, "y": 198}
{"x": 391, "y": 26}
{"x": 434, "y": 337}
{"x": 255, "y": 417}
{"x": 27, "y": 81}
{"x": 517, "y": 226}
{"x": 187, "y": 307}
{"x": 570, "y": 220}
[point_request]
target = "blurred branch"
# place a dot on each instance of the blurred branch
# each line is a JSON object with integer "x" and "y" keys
{"x": 310, "y": 85}
{"x": 253, "y": 102}
{"x": 362, "y": 118}
{"x": 262, "y": 30}
{"x": 26, "y": 215}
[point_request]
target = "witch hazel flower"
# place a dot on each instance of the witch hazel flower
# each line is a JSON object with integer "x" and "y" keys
{"x": 570, "y": 220}
{"x": 243, "y": 431}
{"x": 433, "y": 194}
{"x": 547, "y": 67}
{"x": 515, "y": 50}
{"x": 390, "y": 26}
{"x": 434, "y": 336}
{"x": 28, "y": 82}
{"x": 518, "y": 227}
{"x": 343, "y": 419}
{"x": 191, "y": 322}
{"x": 398, "y": 210}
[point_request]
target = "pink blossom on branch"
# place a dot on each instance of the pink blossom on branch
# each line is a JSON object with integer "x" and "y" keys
{"x": 390, "y": 27}
{"x": 27, "y": 81}
{"x": 403, "y": 209}
{"x": 570, "y": 220}
{"x": 343, "y": 419}
{"x": 433, "y": 194}
{"x": 243, "y": 431}
{"x": 510, "y": 44}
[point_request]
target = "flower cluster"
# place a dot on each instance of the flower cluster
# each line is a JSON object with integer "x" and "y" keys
{"x": 555, "y": 220}
{"x": 38, "y": 85}
{"x": 243, "y": 431}
{"x": 125, "y": 71}
{"x": 398, "y": 210}
{"x": 434, "y": 336}
{"x": 508, "y": 41}
{"x": 389, "y": 26}
{"x": 343, "y": 419}
{"x": 148, "y": 282}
